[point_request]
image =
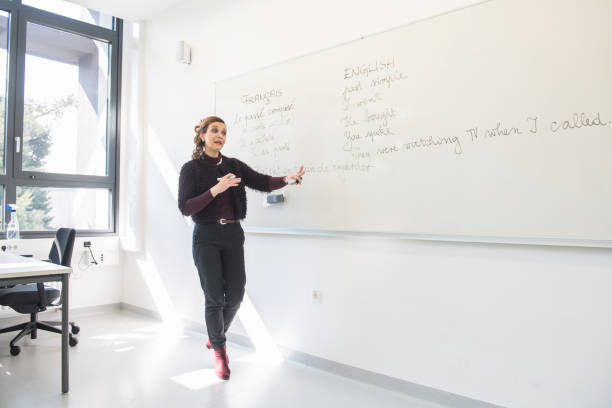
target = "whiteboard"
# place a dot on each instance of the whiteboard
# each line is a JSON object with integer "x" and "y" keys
{"x": 493, "y": 122}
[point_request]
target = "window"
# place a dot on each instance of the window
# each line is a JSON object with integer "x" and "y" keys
{"x": 4, "y": 25}
{"x": 52, "y": 208}
{"x": 72, "y": 10}
{"x": 59, "y": 70}
{"x": 66, "y": 116}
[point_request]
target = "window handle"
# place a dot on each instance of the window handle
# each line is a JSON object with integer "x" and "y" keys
{"x": 17, "y": 144}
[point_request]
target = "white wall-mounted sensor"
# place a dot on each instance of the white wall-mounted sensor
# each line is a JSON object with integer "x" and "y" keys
{"x": 184, "y": 53}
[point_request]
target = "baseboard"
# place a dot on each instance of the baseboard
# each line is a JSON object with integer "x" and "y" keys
{"x": 195, "y": 327}
{"x": 393, "y": 384}
{"x": 93, "y": 310}
{"x": 139, "y": 310}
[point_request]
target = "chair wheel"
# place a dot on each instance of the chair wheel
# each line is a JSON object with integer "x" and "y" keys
{"x": 75, "y": 329}
{"x": 73, "y": 341}
{"x": 15, "y": 350}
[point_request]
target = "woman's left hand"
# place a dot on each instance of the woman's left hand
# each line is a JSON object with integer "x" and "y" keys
{"x": 297, "y": 176}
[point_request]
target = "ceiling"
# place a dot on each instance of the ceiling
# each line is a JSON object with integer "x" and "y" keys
{"x": 133, "y": 10}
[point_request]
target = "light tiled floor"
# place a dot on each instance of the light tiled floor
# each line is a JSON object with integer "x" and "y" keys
{"x": 125, "y": 360}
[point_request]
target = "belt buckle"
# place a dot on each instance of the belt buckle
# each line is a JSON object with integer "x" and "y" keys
{"x": 222, "y": 221}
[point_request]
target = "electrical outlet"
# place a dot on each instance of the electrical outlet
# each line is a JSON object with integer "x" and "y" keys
{"x": 87, "y": 258}
{"x": 317, "y": 296}
{"x": 95, "y": 258}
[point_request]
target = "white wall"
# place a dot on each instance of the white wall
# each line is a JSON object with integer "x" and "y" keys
{"x": 520, "y": 326}
{"x": 90, "y": 285}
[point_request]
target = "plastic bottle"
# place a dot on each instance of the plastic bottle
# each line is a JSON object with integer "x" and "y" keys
{"x": 12, "y": 229}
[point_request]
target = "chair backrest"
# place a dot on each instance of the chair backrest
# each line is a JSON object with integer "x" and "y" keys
{"x": 61, "y": 250}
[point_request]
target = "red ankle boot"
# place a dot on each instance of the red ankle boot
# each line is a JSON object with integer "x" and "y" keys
{"x": 221, "y": 364}
{"x": 209, "y": 346}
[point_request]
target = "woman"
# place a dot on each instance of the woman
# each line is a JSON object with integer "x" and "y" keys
{"x": 212, "y": 191}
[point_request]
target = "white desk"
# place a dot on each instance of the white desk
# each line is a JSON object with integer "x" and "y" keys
{"x": 16, "y": 270}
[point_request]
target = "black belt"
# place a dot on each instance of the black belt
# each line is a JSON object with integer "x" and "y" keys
{"x": 223, "y": 221}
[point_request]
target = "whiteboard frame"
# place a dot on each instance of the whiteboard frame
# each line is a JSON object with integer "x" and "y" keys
{"x": 431, "y": 237}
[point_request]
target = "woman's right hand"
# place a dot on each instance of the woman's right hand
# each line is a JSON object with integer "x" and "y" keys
{"x": 225, "y": 182}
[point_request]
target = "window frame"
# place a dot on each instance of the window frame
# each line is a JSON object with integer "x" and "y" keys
{"x": 20, "y": 16}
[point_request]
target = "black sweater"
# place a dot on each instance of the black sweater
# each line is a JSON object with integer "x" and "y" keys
{"x": 199, "y": 175}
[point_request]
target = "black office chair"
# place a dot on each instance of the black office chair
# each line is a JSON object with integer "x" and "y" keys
{"x": 36, "y": 297}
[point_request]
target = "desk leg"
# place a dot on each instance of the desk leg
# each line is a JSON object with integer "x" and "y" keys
{"x": 65, "y": 306}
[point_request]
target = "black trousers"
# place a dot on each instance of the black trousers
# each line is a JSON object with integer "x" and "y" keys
{"x": 218, "y": 253}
